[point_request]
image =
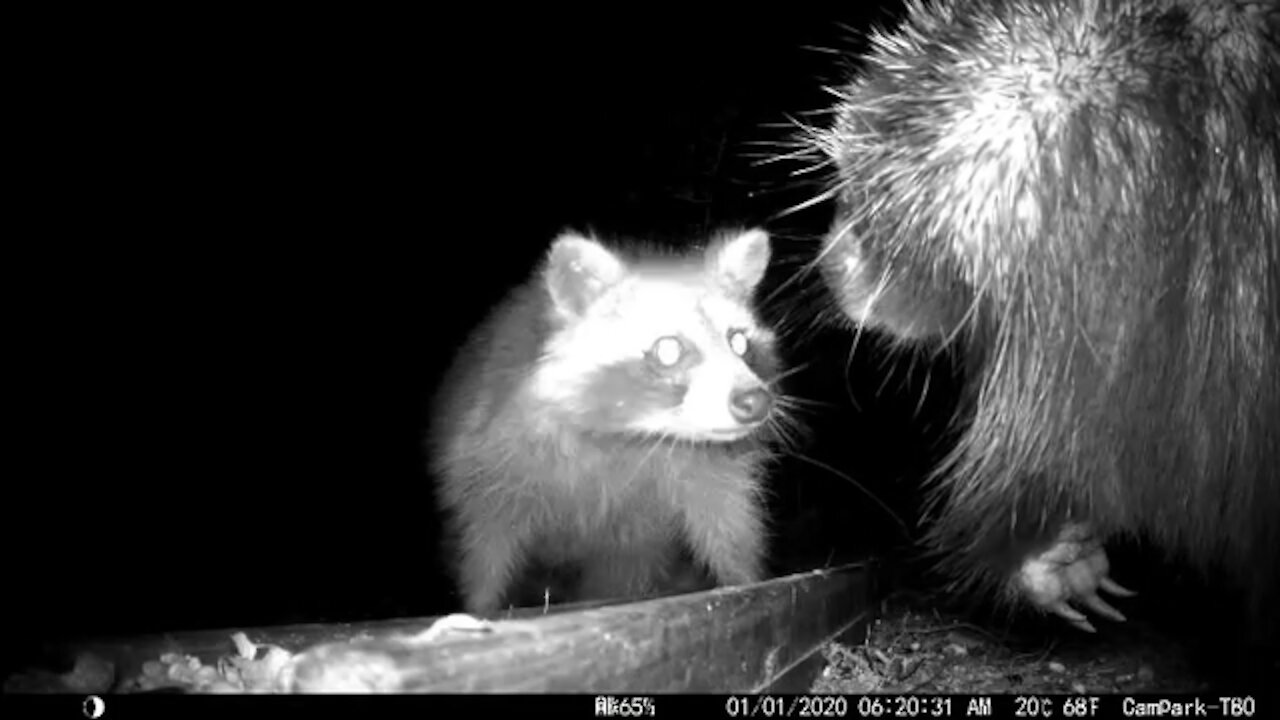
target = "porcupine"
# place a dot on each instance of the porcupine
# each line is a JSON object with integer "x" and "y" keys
{"x": 1081, "y": 199}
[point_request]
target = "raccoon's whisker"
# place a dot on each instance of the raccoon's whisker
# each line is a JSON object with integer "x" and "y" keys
{"x": 796, "y": 404}
{"x": 787, "y": 430}
{"x": 883, "y": 506}
{"x": 788, "y": 404}
{"x": 783, "y": 375}
{"x": 657, "y": 443}
{"x": 671, "y": 443}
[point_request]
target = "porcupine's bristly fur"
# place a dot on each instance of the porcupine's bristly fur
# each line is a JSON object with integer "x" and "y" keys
{"x": 608, "y": 422}
{"x": 1084, "y": 196}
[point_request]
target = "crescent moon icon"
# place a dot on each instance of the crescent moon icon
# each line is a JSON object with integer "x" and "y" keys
{"x": 94, "y": 707}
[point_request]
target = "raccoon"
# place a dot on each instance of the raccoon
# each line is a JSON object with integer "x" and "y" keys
{"x": 609, "y": 424}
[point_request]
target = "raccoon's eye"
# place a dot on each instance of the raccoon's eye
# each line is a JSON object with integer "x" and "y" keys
{"x": 739, "y": 343}
{"x": 667, "y": 351}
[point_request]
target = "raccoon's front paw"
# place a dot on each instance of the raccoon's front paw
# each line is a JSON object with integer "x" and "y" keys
{"x": 1073, "y": 569}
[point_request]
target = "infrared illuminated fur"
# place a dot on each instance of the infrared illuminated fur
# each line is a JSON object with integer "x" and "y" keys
{"x": 1083, "y": 198}
{"x": 605, "y": 425}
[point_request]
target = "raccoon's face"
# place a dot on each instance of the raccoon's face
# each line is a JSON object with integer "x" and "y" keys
{"x": 659, "y": 348}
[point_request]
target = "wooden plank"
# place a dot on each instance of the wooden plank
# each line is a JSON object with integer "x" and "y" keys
{"x": 763, "y": 637}
{"x": 126, "y": 655}
{"x": 741, "y": 639}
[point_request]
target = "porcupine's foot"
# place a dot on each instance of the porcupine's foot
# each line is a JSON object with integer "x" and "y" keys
{"x": 1072, "y": 570}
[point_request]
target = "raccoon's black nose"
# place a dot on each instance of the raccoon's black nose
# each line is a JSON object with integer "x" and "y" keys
{"x": 750, "y": 406}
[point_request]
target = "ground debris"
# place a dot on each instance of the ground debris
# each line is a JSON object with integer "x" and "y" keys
{"x": 914, "y": 649}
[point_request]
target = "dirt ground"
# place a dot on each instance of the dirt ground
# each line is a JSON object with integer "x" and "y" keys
{"x": 914, "y": 649}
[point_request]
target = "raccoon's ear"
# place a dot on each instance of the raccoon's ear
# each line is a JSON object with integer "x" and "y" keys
{"x": 578, "y": 271}
{"x": 741, "y": 261}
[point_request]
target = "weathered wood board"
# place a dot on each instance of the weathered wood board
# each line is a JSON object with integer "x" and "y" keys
{"x": 762, "y": 637}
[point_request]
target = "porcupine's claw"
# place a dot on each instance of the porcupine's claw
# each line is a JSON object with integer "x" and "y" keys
{"x": 1100, "y": 606}
{"x": 1114, "y": 588}
{"x": 1095, "y": 603}
{"x": 1074, "y": 569}
{"x": 1073, "y": 616}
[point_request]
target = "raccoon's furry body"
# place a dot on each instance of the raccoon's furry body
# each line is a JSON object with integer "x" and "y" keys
{"x": 603, "y": 427}
{"x": 1082, "y": 196}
